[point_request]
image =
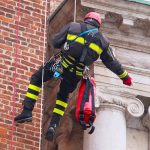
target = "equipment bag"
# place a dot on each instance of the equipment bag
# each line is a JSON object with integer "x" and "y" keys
{"x": 85, "y": 107}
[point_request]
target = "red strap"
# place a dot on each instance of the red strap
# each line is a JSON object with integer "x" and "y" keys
{"x": 15, "y": 76}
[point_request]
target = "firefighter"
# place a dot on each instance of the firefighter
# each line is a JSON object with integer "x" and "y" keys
{"x": 81, "y": 44}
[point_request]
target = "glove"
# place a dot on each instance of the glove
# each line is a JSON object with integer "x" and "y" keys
{"x": 127, "y": 81}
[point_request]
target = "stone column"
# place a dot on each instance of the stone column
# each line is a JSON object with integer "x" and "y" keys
{"x": 146, "y": 123}
{"x": 110, "y": 132}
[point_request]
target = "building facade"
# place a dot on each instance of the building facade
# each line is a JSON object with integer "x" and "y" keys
{"x": 122, "y": 112}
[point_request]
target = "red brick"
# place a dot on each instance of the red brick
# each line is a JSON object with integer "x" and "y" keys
{"x": 30, "y": 57}
{"x": 27, "y": 63}
{"x": 35, "y": 61}
{"x": 6, "y": 47}
{"x": 2, "y": 145}
{"x": 7, "y": 10}
{"x": 25, "y": 141}
{"x": 37, "y": 1}
{"x": 24, "y": 2}
{"x": 2, "y": 140}
{"x": 3, "y": 132}
{"x": 4, "y": 96}
{"x": 37, "y": 42}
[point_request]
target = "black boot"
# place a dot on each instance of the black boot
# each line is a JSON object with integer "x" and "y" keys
{"x": 25, "y": 116}
{"x": 51, "y": 132}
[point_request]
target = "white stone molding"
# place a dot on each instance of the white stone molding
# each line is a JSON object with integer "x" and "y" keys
{"x": 133, "y": 106}
{"x": 146, "y": 119}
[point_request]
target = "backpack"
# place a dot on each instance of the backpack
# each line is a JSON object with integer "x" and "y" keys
{"x": 85, "y": 107}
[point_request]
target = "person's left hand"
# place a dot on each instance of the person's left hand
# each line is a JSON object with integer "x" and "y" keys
{"x": 128, "y": 81}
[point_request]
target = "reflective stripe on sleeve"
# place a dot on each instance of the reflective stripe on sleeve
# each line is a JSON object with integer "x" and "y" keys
{"x": 96, "y": 48}
{"x": 124, "y": 74}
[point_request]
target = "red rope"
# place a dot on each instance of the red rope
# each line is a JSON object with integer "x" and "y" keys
{"x": 15, "y": 75}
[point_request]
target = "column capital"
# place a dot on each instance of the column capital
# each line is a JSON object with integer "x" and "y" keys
{"x": 132, "y": 105}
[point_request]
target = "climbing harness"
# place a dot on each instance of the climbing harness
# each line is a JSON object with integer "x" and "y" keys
{"x": 67, "y": 43}
{"x": 58, "y": 71}
{"x": 86, "y": 72}
{"x": 54, "y": 65}
{"x": 71, "y": 64}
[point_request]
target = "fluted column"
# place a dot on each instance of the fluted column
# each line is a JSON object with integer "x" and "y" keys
{"x": 110, "y": 132}
{"x": 146, "y": 119}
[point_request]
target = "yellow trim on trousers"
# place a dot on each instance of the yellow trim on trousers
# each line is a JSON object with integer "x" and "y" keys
{"x": 34, "y": 87}
{"x": 32, "y": 96}
{"x": 61, "y": 103}
{"x": 58, "y": 111}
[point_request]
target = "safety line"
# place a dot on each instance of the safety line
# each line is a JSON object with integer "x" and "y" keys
{"x": 42, "y": 93}
{"x": 75, "y": 10}
{"x": 15, "y": 75}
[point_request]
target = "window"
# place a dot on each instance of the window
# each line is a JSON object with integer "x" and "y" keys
{"x": 147, "y": 2}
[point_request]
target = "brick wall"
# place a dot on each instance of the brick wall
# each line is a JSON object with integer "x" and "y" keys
{"x": 31, "y": 37}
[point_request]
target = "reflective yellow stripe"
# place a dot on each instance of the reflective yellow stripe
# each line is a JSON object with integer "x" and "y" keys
{"x": 124, "y": 74}
{"x": 61, "y": 103}
{"x": 71, "y": 70}
{"x": 81, "y": 64}
{"x": 33, "y": 87}
{"x": 35, "y": 97}
{"x": 58, "y": 111}
{"x": 64, "y": 64}
{"x": 81, "y": 40}
{"x": 68, "y": 61}
{"x": 95, "y": 48}
{"x": 79, "y": 73}
{"x": 72, "y": 37}
{"x": 71, "y": 57}
{"x": 75, "y": 60}
{"x": 79, "y": 68}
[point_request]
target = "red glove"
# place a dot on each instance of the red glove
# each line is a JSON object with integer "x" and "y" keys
{"x": 128, "y": 81}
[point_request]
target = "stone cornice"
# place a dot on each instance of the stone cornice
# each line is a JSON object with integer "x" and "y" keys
{"x": 121, "y": 7}
{"x": 135, "y": 70}
{"x": 133, "y": 106}
{"x": 128, "y": 42}
{"x": 128, "y": 29}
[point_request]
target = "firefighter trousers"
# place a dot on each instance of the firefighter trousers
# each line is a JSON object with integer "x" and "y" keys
{"x": 68, "y": 84}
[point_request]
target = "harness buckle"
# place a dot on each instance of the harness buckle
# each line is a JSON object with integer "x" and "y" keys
{"x": 86, "y": 72}
{"x": 66, "y": 46}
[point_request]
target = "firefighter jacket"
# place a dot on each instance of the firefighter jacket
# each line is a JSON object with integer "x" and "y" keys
{"x": 98, "y": 47}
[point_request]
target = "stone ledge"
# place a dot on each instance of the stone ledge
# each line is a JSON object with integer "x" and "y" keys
{"x": 123, "y": 7}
